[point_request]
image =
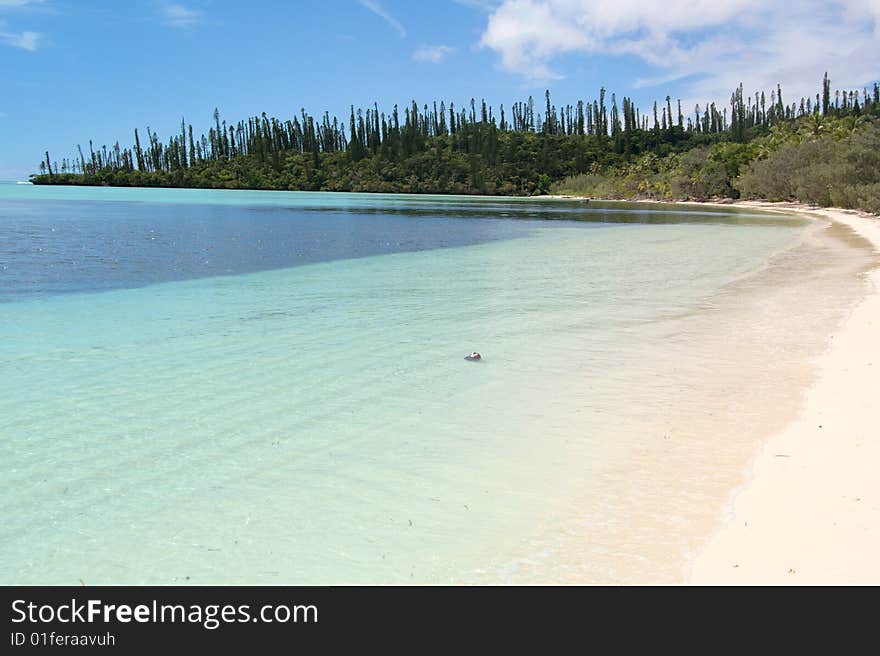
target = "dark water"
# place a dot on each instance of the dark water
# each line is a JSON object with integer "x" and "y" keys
{"x": 63, "y": 240}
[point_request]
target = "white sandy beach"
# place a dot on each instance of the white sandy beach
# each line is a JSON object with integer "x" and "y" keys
{"x": 808, "y": 509}
{"x": 809, "y": 512}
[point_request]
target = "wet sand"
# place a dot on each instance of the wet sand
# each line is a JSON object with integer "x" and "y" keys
{"x": 806, "y": 508}
{"x": 809, "y": 511}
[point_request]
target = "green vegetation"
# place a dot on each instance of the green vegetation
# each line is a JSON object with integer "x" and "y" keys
{"x": 822, "y": 150}
{"x": 840, "y": 168}
{"x": 823, "y": 160}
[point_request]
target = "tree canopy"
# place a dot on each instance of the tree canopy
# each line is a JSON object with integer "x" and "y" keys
{"x": 523, "y": 149}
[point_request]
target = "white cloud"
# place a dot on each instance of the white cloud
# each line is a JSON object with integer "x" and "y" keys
{"x": 381, "y": 12}
{"x": 177, "y": 15}
{"x": 712, "y": 45}
{"x": 433, "y": 54}
{"x": 25, "y": 40}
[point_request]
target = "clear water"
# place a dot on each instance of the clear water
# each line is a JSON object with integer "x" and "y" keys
{"x": 260, "y": 387}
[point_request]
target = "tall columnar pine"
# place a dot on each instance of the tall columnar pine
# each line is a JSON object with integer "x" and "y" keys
{"x": 518, "y": 146}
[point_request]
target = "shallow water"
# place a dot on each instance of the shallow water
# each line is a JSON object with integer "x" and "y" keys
{"x": 260, "y": 387}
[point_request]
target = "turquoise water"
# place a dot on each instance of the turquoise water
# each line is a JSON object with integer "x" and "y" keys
{"x": 310, "y": 419}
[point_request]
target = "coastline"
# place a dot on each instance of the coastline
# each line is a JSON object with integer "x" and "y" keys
{"x": 678, "y": 479}
{"x": 807, "y": 514}
{"x": 806, "y": 511}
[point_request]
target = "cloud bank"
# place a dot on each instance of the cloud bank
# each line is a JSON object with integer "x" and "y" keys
{"x": 711, "y": 46}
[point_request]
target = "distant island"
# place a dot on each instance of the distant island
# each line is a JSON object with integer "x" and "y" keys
{"x": 823, "y": 150}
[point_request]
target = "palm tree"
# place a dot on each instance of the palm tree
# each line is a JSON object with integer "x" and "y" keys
{"x": 814, "y": 126}
{"x": 852, "y": 124}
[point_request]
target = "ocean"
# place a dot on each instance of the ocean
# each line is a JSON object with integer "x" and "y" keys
{"x": 202, "y": 386}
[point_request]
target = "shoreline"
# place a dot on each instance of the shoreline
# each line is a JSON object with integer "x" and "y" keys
{"x": 806, "y": 514}
{"x": 806, "y": 510}
{"x": 717, "y": 446}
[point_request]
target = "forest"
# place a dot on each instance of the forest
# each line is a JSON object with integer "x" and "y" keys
{"x": 823, "y": 149}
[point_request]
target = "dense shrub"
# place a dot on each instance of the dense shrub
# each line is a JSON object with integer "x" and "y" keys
{"x": 836, "y": 169}
{"x": 832, "y": 161}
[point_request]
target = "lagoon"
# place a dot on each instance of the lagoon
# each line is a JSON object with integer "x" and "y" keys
{"x": 269, "y": 387}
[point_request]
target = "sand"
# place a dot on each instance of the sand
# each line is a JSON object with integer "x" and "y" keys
{"x": 809, "y": 511}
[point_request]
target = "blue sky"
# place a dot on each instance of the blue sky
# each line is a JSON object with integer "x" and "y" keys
{"x": 79, "y": 69}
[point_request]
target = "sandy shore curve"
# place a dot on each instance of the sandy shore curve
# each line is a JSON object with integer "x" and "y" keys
{"x": 810, "y": 511}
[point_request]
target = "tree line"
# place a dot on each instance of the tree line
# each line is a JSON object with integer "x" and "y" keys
{"x": 440, "y": 148}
